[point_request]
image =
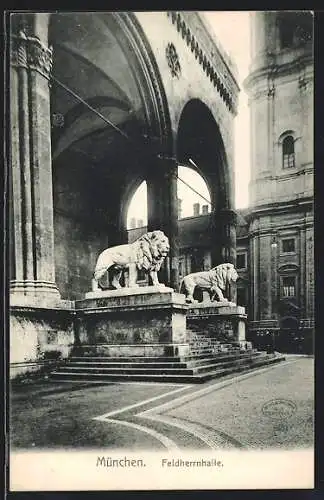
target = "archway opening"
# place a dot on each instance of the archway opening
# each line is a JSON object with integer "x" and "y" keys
{"x": 200, "y": 145}
{"x": 193, "y": 199}
{"x": 100, "y": 116}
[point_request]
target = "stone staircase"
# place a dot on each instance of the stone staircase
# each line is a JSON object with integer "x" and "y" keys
{"x": 208, "y": 359}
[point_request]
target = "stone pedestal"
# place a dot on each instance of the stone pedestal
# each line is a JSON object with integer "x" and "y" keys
{"x": 141, "y": 321}
{"x": 223, "y": 321}
{"x": 163, "y": 212}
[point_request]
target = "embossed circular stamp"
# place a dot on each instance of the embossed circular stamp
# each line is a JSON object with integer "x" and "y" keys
{"x": 279, "y": 408}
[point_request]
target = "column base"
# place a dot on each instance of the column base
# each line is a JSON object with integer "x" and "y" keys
{"x": 34, "y": 293}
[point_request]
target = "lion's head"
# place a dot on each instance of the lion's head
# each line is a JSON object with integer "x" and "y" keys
{"x": 224, "y": 274}
{"x": 152, "y": 248}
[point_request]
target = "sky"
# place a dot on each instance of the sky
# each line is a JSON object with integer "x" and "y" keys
{"x": 232, "y": 29}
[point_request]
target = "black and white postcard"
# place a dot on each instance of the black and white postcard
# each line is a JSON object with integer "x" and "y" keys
{"x": 160, "y": 242}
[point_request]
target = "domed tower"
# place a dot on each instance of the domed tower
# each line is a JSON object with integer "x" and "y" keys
{"x": 280, "y": 90}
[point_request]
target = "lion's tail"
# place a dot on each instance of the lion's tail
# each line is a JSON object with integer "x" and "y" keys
{"x": 182, "y": 287}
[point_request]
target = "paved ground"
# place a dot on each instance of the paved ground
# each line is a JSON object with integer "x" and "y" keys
{"x": 270, "y": 407}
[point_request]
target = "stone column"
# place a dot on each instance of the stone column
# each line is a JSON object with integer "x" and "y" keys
{"x": 31, "y": 165}
{"x": 265, "y": 288}
{"x": 225, "y": 237}
{"x": 225, "y": 221}
{"x": 274, "y": 250}
{"x": 163, "y": 213}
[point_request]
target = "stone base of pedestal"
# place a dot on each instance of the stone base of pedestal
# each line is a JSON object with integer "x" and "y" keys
{"x": 137, "y": 321}
{"x": 130, "y": 351}
{"x": 39, "y": 336}
{"x": 223, "y": 321}
{"x": 35, "y": 294}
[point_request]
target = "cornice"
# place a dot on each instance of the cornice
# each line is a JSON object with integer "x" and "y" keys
{"x": 281, "y": 207}
{"x": 275, "y": 70}
{"x": 212, "y": 63}
{"x": 283, "y": 176}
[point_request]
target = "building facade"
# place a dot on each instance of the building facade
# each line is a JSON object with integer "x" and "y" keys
{"x": 280, "y": 218}
{"x": 274, "y": 259}
{"x": 98, "y": 103}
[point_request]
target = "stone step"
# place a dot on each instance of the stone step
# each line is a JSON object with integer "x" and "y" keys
{"x": 236, "y": 368}
{"x": 220, "y": 358}
{"x": 108, "y": 364}
{"x": 180, "y": 369}
{"x": 124, "y": 369}
{"x": 229, "y": 362}
{"x": 149, "y": 368}
{"x": 156, "y": 362}
{"x": 167, "y": 377}
{"x": 129, "y": 359}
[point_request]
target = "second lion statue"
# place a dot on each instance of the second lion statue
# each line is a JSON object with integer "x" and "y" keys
{"x": 214, "y": 281}
{"x": 147, "y": 253}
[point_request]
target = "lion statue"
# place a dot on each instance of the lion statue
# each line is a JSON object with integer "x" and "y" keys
{"x": 147, "y": 253}
{"x": 214, "y": 281}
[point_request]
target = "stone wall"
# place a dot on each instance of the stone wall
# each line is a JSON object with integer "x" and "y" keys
{"x": 280, "y": 88}
{"x": 39, "y": 337}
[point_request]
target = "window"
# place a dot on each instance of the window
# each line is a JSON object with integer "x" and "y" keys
{"x": 241, "y": 261}
{"x": 289, "y": 286}
{"x": 288, "y": 152}
{"x": 288, "y": 245}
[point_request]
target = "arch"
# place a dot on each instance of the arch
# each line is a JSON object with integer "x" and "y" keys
{"x": 185, "y": 207}
{"x": 204, "y": 145}
{"x": 285, "y": 134}
{"x": 289, "y": 323}
{"x": 131, "y": 39}
{"x": 154, "y": 91}
{"x": 98, "y": 175}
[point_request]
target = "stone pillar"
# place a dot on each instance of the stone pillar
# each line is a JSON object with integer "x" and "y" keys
{"x": 163, "y": 213}
{"x": 225, "y": 241}
{"x": 31, "y": 169}
{"x": 265, "y": 272}
{"x": 254, "y": 276}
{"x": 274, "y": 250}
{"x": 225, "y": 237}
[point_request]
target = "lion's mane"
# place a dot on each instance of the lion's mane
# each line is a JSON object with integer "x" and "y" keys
{"x": 223, "y": 274}
{"x": 150, "y": 250}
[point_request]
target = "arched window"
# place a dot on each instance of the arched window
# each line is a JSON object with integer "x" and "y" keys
{"x": 288, "y": 152}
